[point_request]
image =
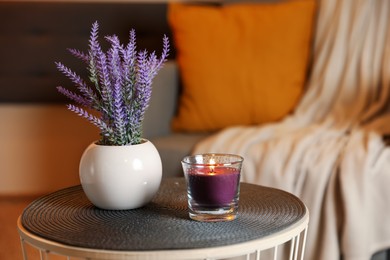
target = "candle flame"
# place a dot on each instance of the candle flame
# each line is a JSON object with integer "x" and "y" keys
{"x": 212, "y": 165}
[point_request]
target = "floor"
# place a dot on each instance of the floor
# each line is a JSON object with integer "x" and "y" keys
{"x": 10, "y": 247}
{"x": 10, "y": 209}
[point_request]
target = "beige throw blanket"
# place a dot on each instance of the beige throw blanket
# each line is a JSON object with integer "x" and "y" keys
{"x": 330, "y": 152}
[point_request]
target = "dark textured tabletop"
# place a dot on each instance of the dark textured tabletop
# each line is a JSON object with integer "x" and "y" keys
{"x": 67, "y": 216}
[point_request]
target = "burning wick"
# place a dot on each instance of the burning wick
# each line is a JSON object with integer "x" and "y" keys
{"x": 212, "y": 165}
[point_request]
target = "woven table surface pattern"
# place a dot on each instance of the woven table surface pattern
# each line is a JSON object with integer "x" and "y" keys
{"x": 68, "y": 217}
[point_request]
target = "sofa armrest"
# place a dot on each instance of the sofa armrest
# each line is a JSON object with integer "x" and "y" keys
{"x": 163, "y": 102}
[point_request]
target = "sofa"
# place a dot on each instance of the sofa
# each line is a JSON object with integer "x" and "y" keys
{"x": 37, "y": 126}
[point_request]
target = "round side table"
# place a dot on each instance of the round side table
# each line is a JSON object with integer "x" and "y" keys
{"x": 270, "y": 222}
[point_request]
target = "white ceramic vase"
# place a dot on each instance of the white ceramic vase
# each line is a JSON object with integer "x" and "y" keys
{"x": 120, "y": 177}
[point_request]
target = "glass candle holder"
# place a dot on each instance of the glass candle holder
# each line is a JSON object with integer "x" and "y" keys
{"x": 213, "y": 186}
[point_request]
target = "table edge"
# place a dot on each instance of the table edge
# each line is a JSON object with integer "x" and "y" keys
{"x": 232, "y": 250}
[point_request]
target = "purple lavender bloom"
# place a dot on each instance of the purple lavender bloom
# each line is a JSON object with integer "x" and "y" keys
{"x": 121, "y": 89}
{"x": 79, "y": 54}
{"x": 106, "y": 130}
{"x": 89, "y": 95}
{"x": 73, "y": 96}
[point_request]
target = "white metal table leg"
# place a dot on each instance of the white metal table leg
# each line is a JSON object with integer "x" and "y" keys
{"x": 303, "y": 243}
{"x": 23, "y": 249}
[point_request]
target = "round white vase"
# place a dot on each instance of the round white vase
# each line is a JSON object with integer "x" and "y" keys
{"x": 120, "y": 177}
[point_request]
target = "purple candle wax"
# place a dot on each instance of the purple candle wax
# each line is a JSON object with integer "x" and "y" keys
{"x": 215, "y": 188}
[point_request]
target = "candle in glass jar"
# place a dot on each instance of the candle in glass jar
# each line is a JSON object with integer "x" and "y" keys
{"x": 212, "y": 185}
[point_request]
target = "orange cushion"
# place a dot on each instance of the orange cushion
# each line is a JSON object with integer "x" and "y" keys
{"x": 241, "y": 64}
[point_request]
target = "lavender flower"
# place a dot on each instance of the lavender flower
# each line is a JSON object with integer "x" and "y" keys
{"x": 121, "y": 89}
